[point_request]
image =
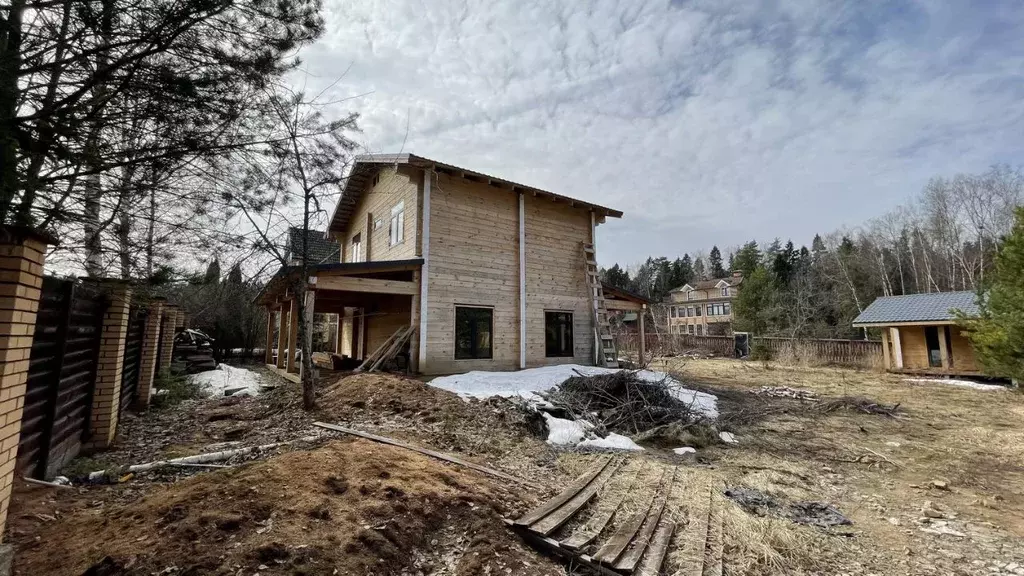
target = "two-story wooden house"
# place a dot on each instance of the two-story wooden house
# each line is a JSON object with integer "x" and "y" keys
{"x": 490, "y": 274}
{"x": 703, "y": 307}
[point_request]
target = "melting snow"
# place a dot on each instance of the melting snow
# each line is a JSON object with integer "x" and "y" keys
{"x": 215, "y": 382}
{"x": 611, "y": 442}
{"x": 562, "y": 432}
{"x": 527, "y": 383}
{"x": 955, "y": 382}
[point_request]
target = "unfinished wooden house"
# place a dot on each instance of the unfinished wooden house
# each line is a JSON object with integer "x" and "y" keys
{"x": 919, "y": 332}
{"x": 482, "y": 273}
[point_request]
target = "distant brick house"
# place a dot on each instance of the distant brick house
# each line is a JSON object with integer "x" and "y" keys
{"x": 704, "y": 307}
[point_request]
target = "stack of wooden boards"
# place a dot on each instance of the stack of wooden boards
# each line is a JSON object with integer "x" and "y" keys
{"x": 386, "y": 351}
{"x": 638, "y": 541}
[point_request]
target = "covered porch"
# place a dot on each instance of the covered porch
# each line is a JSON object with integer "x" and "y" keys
{"x": 618, "y": 300}
{"x": 351, "y": 309}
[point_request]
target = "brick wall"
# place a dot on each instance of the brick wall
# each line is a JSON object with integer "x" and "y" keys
{"x": 21, "y": 278}
{"x": 107, "y": 394}
{"x": 150, "y": 351}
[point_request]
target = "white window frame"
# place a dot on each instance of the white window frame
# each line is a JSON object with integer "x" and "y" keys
{"x": 357, "y": 248}
{"x": 689, "y": 295}
{"x": 725, "y": 290}
{"x": 396, "y": 230}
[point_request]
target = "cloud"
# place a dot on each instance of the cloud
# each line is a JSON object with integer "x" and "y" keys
{"x": 706, "y": 121}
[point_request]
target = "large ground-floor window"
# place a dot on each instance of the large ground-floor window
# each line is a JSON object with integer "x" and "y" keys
{"x": 558, "y": 334}
{"x": 473, "y": 329}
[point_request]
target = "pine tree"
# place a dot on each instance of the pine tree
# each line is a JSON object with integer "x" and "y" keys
{"x": 998, "y": 333}
{"x": 715, "y": 263}
{"x": 617, "y": 277}
{"x": 212, "y": 275}
{"x": 686, "y": 270}
{"x": 698, "y": 270}
{"x": 235, "y": 274}
{"x": 747, "y": 259}
{"x": 755, "y": 306}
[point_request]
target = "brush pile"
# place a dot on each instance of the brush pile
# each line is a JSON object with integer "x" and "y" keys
{"x": 621, "y": 402}
{"x": 859, "y": 404}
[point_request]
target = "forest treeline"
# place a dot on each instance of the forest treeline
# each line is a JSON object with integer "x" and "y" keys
{"x": 943, "y": 239}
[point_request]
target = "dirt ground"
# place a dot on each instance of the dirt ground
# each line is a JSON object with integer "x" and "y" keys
{"x": 937, "y": 489}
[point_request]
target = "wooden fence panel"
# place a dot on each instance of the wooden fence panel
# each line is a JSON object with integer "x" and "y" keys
{"x": 857, "y": 353}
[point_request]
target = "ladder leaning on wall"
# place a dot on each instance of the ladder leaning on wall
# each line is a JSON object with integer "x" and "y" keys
{"x": 605, "y": 353}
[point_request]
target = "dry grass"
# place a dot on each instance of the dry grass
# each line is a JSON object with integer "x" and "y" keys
{"x": 875, "y": 468}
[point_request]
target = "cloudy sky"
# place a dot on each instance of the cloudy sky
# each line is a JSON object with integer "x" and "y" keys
{"x": 705, "y": 121}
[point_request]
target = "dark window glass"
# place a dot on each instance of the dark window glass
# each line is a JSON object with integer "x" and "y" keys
{"x": 725, "y": 308}
{"x": 699, "y": 306}
{"x": 931, "y": 337}
{"x": 558, "y": 334}
{"x": 473, "y": 327}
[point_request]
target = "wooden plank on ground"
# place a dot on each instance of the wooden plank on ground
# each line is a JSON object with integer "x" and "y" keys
{"x": 714, "y": 545}
{"x": 425, "y": 451}
{"x": 553, "y": 521}
{"x": 655, "y": 556}
{"x": 593, "y": 528}
{"x": 694, "y": 547}
{"x": 552, "y": 547}
{"x": 616, "y": 545}
{"x": 627, "y": 563}
{"x": 570, "y": 491}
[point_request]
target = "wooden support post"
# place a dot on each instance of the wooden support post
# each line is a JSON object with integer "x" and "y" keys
{"x": 943, "y": 351}
{"x": 643, "y": 336}
{"x": 414, "y": 321}
{"x": 886, "y": 355}
{"x": 897, "y": 349}
{"x": 282, "y": 336}
{"x": 293, "y": 335}
{"x": 360, "y": 335}
{"x": 268, "y": 352}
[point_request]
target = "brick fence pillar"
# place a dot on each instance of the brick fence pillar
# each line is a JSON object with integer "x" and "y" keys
{"x": 150, "y": 352}
{"x": 106, "y": 398}
{"x": 21, "y": 279}
{"x": 167, "y": 338}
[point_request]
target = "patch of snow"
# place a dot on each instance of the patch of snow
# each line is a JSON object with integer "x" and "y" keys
{"x": 611, "y": 442}
{"x": 215, "y": 382}
{"x": 562, "y": 432}
{"x": 527, "y": 383}
{"x": 685, "y": 450}
{"x": 727, "y": 437}
{"x": 955, "y": 382}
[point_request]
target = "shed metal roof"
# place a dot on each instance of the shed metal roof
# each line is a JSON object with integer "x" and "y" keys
{"x": 932, "y": 307}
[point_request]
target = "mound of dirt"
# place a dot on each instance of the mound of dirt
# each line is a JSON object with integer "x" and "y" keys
{"x": 350, "y": 507}
{"x": 387, "y": 393}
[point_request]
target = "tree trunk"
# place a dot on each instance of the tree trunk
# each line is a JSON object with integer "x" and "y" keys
{"x": 10, "y": 65}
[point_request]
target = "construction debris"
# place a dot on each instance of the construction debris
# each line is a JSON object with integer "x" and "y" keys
{"x": 621, "y": 402}
{"x": 811, "y": 512}
{"x": 387, "y": 351}
{"x": 637, "y": 546}
{"x": 785, "y": 392}
{"x": 859, "y": 404}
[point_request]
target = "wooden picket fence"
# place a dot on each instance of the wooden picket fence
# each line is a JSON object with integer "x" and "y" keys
{"x": 854, "y": 353}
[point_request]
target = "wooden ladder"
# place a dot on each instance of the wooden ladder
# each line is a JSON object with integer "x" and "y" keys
{"x": 604, "y": 342}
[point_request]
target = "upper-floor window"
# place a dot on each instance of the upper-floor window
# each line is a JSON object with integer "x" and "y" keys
{"x": 689, "y": 311}
{"x": 357, "y": 249}
{"x": 725, "y": 290}
{"x": 672, "y": 311}
{"x": 699, "y": 309}
{"x": 397, "y": 233}
{"x": 725, "y": 308}
{"x": 689, "y": 295}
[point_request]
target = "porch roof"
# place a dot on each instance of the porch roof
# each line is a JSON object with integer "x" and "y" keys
{"x": 278, "y": 284}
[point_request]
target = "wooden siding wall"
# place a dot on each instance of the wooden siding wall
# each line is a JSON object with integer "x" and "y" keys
{"x": 394, "y": 186}
{"x": 556, "y": 277}
{"x": 474, "y": 260}
{"x": 393, "y": 313}
{"x": 914, "y": 346}
{"x": 962, "y": 353}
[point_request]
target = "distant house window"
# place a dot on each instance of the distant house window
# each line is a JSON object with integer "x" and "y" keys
{"x": 558, "y": 334}
{"x": 689, "y": 295}
{"x": 397, "y": 233}
{"x": 689, "y": 311}
{"x": 672, "y": 311}
{"x": 689, "y": 329}
{"x": 473, "y": 329}
{"x": 699, "y": 309}
{"x": 700, "y": 330}
{"x": 682, "y": 311}
{"x": 725, "y": 308}
{"x": 725, "y": 291}
{"x": 357, "y": 249}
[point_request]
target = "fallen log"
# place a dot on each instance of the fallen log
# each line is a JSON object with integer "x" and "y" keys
{"x": 195, "y": 459}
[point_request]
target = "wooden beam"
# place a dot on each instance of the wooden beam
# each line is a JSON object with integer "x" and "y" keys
{"x": 374, "y": 285}
{"x": 421, "y": 363}
{"x": 643, "y": 336}
{"x": 282, "y": 336}
{"x": 522, "y": 281}
{"x": 897, "y": 349}
{"x": 293, "y": 335}
{"x": 268, "y": 352}
{"x": 414, "y": 321}
{"x": 886, "y": 355}
{"x": 613, "y": 304}
{"x": 943, "y": 351}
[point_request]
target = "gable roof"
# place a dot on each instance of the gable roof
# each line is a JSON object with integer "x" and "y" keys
{"x": 319, "y": 249}
{"x": 710, "y": 284}
{"x": 933, "y": 307}
{"x": 366, "y": 165}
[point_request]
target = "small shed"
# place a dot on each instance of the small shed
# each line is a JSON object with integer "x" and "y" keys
{"x": 919, "y": 332}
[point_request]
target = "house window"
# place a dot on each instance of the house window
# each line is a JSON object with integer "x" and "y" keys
{"x": 672, "y": 311}
{"x": 725, "y": 308}
{"x": 699, "y": 309}
{"x": 689, "y": 311}
{"x": 682, "y": 311}
{"x": 558, "y": 334}
{"x": 397, "y": 233}
{"x": 689, "y": 329}
{"x": 473, "y": 328}
{"x": 700, "y": 330}
{"x": 357, "y": 248}
{"x": 689, "y": 295}
{"x": 725, "y": 291}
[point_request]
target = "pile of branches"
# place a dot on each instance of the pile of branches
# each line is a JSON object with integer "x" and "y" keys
{"x": 620, "y": 402}
{"x": 859, "y": 404}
